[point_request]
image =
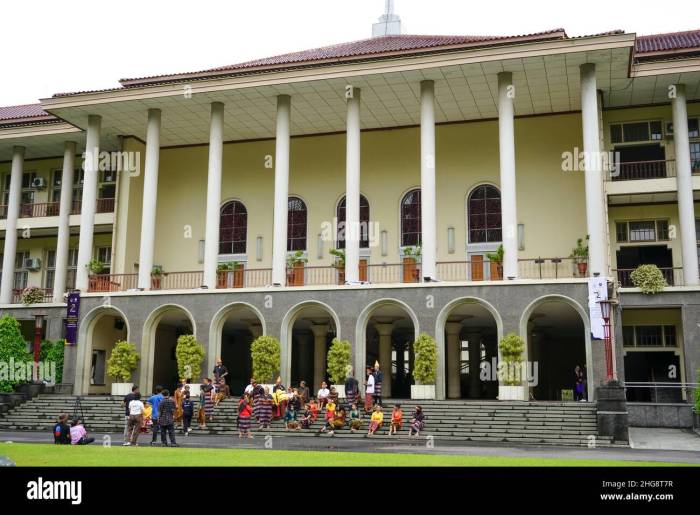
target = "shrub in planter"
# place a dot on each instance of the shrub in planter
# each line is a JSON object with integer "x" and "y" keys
{"x": 338, "y": 360}
{"x": 12, "y": 347}
{"x": 265, "y": 351}
{"x": 96, "y": 266}
{"x": 32, "y": 295}
{"x": 497, "y": 259}
{"x": 510, "y": 377}
{"x": 411, "y": 255}
{"x": 122, "y": 362}
{"x": 339, "y": 263}
{"x": 649, "y": 279}
{"x": 424, "y": 367}
{"x": 580, "y": 255}
{"x": 189, "y": 354}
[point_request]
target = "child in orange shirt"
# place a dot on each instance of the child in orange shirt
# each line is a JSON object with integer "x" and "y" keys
{"x": 313, "y": 408}
{"x": 396, "y": 420}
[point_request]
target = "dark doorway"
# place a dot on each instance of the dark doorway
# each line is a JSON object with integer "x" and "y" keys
{"x": 651, "y": 367}
{"x": 629, "y": 258}
{"x": 641, "y": 162}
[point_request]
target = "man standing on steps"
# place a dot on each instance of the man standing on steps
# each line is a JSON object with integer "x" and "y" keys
{"x": 125, "y": 403}
{"x": 155, "y": 401}
{"x": 378, "y": 378}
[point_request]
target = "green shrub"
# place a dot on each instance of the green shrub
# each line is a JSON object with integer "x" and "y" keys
{"x": 512, "y": 347}
{"x": 190, "y": 356}
{"x": 265, "y": 351}
{"x": 32, "y": 295}
{"x": 339, "y": 356}
{"x": 122, "y": 362}
{"x": 12, "y": 346}
{"x": 649, "y": 279}
{"x": 52, "y": 352}
{"x": 425, "y": 359}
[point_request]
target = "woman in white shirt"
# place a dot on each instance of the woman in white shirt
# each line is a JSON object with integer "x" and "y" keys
{"x": 369, "y": 390}
{"x": 136, "y": 408}
{"x": 322, "y": 395}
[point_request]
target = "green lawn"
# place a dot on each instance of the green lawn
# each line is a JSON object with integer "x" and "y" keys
{"x": 47, "y": 455}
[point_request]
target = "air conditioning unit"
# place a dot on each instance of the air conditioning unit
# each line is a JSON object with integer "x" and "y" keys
{"x": 38, "y": 183}
{"x": 32, "y": 264}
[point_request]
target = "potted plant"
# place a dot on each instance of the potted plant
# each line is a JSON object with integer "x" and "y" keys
{"x": 339, "y": 365}
{"x": 649, "y": 279}
{"x": 32, "y": 295}
{"x": 295, "y": 268}
{"x": 411, "y": 255}
{"x": 121, "y": 363}
{"x": 496, "y": 258}
{"x": 189, "y": 354}
{"x": 265, "y": 353}
{"x": 510, "y": 377}
{"x": 96, "y": 283}
{"x": 339, "y": 263}
{"x": 424, "y": 367}
{"x": 580, "y": 255}
{"x": 156, "y": 277}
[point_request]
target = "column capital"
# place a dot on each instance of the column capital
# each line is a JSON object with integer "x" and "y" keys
{"x": 384, "y": 328}
{"x": 319, "y": 330}
{"x": 453, "y": 328}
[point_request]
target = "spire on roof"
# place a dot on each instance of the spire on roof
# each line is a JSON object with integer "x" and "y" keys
{"x": 389, "y": 24}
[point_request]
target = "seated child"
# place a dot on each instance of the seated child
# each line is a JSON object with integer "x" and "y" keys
{"x": 338, "y": 421}
{"x": 147, "y": 419}
{"x": 313, "y": 408}
{"x": 290, "y": 418}
{"x": 306, "y": 418}
{"x": 330, "y": 415}
{"x": 396, "y": 420}
{"x": 355, "y": 418}
{"x": 376, "y": 421}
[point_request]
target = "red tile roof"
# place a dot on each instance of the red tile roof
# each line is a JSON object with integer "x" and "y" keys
{"x": 21, "y": 112}
{"x": 669, "y": 42}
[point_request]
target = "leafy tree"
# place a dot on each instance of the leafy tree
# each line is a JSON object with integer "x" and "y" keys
{"x": 52, "y": 352}
{"x": 12, "y": 347}
{"x": 265, "y": 351}
{"x": 190, "y": 355}
{"x": 339, "y": 361}
{"x": 425, "y": 359}
{"x": 122, "y": 362}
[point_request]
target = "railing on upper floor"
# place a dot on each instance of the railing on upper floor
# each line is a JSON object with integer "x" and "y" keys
{"x": 41, "y": 209}
{"x": 642, "y": 170}
{"x": 673, "y": 276}
{"x": 17, "y": 295}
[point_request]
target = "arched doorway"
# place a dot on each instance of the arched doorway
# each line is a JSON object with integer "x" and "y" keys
{"x": 470, "y": 333}
{"x": 390, "y": 331}
{"x": 311, "y": 327}
{"x": 160, "y": 333}
{"x": 558, "y": 339}
{"x": 104, "y": 327}
{"x": 233, "y": 330}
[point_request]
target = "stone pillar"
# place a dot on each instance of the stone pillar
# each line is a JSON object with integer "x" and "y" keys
{"x": 279, "y": 243}
{"x": 595, "y": 198}
{"x": 320, "y": 332}
{"x": 385, "y": 348}
{"x": 88, "y": 204}
{"x": 10, "y": 249}
{"x": 150, "y": 197}
{"x": 213, "y": 212}
{"x": 506, "y": 150}
{"x": 613, "y": 418}
{"x": 352, "y": 189}
{"x": 427, "y": 179}
{"x": 454, "y": 389}
{"x": 474, "y": 340}
{"x": 684, "y": 181}
{"x": 63, "y": 239}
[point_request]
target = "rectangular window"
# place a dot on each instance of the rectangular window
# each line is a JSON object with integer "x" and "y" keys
{"x": 649, "y": 336}
{"x": 636, "y": 132}
{"x": 56, "y": 184}
{"x": 642, "y": 231}
{"x": 616, "y": 133}
{"x": 693, "y": 128}
{"x": 21, "y": 273}
{"x": 695, "y": 157}
{"x": 621, "y": 231}
{"x": 104, "y": 254}
{"x": 662, "y": 230}
{"x": 628, "y": 336}
{"x": 670, "y": 336}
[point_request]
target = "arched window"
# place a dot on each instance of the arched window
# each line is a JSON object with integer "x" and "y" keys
{"x": 364, "y": 223}
{"x": 233, "y": 228}
{"x": 410, "y": 218}
{"x": 484, "y": 215}
{"x": 296, "y": 224}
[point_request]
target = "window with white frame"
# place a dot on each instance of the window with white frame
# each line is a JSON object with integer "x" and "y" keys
{"x": 642, "y": 231}
{"x": 57, "y": 183}
{"x": 636, "y": 132}
{"x": 27, "y": 190}
{"x": 649, "y": 336}
{"x": 71, "y": 267}
{"x": 21, "y": 273}
{"x": 104, "y": 255}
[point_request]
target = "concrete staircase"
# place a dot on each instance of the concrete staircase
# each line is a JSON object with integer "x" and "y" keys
{"x": 555, "y": 423}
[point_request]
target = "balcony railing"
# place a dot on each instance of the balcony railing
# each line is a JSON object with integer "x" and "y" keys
{"x": 17, "y": 295}
{"x": 642, "y": 170}
{"x": 37, "y": 210}
{"x": 673, "y": 276}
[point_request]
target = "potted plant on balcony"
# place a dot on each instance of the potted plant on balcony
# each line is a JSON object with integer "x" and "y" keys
{"x": 121, "y": 363}
{"x": 411, "y": 255}
{"x": 96, "y": 283}
{"x": 156, "y": 277}
{"x": 189, "y": 354}
{"x": 496, "y": 258}
{"x": 424, "y": 367}
{"x": 580, "y": 255}
{"x": 265, "y": 354}
{"x": 339, "y": 366}
{"x": 339, "y": 263}
{"x": 649, "y": 279}
{"x": 32, "y": 295}
{"x": 295, "y": 268}
{"x": 510, "y": 377}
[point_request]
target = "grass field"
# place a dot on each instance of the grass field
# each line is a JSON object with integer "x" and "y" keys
{"x": 47, "y": 455}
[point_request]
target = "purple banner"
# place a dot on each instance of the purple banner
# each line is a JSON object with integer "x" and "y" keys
{"x": 72, "y": 318}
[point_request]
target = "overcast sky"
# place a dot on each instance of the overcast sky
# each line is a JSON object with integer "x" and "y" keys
{"x": 73, "y": 45}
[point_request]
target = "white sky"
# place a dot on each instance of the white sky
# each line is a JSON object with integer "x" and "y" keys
{"x": 74, "y": 45}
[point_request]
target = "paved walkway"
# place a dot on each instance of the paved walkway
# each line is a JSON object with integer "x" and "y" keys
{"x": 664, "y": 438}
{"x": 401, "y": 445}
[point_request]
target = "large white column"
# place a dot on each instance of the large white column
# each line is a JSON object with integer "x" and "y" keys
{"x": 385, "y": 348}
{"x": 88, "y": 204}
{"x": 8, "y": 264}
{"x": 454, "y": 352}
{"x": 684, "y": 181}
{"x": 506, "y": 152}
{"x": 216, "y": 150}
{"x": 63, "y": 240}
{"x": 320, "y": 335}
{"x": 427, "y": 179}
{"x": 279, "y": 240}
{"x": 352, "y": 189}
{"x": 150, "y": 197}
{"x": 595, "y": 198}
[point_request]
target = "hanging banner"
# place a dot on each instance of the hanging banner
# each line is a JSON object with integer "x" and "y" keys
{"x": 597, "y": 291}
{"x": 72, "y": 318}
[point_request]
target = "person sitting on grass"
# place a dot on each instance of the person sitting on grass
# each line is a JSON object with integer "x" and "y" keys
{"x": 313, "y": 408}
{"x": 338, "y": 421}
{"x": 78, "y": 434}
{"x": 245, "y": 412}
{"x": 306, "y": 418}
{"x": 417, "y": 422}
{"x": 355, "y": 418}
{"x": 376, "y": 420}
{"x": 290, "y": 417}
{"x": 61, "y": 430}
{"x": 396, "y": 420}
{"x": 147, "y": 418}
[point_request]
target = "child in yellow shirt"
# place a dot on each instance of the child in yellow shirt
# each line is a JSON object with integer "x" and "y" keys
{"x": 376, "y": 421}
